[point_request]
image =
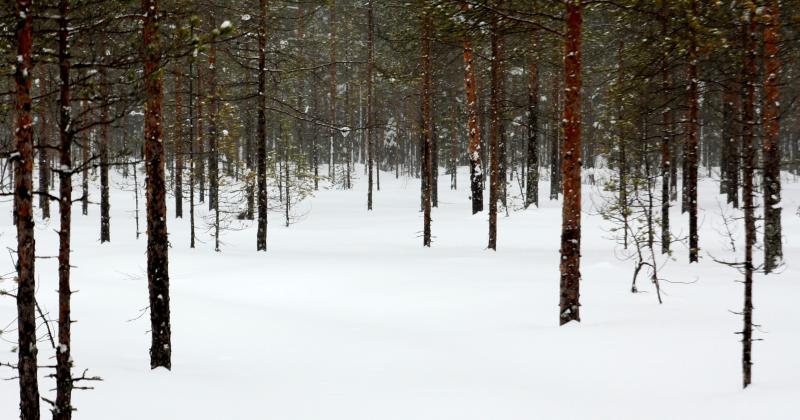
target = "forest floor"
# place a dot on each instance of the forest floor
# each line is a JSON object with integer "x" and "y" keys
{"x": 348, "y": 317}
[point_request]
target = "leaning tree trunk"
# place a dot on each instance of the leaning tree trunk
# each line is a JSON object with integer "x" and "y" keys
{"x": 426, "y": 124}
{"x": 261, "y": 158}
{"x": 473, "y": 128}
{"x": 23, "y": 197}
{"x": 773, "y": 249}
{"x": 571, "y": 167}
{"x": 157, "y": 241}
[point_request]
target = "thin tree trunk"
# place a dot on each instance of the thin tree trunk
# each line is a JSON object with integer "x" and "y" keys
{"x": 23, "y": 197}
{"x": 63, "y": 407}
{"x": 85, "y": 163}
{"x": 473, "y": 127}
{"x": 571, "y": 167}
{"x": 44, "y": 152}
{"x": 532, "y": 162}
{"x": 178, "y": 143}
{"x": 773, "y": 249}
{"x": 157, "y": 240}
{"x": 426, "y": 123}
{"x": 666, "y": 85}
{"x": 494, "y": 135}
{"x": 370, "y": 116}
{"x": 748, "y": 149}
{"x": 213, "y": 132}
{"x": 105, "y": 205}
{"x": 691, "y": 145}
{"x": 261, "y": 159}
{"x": 332, "y": 70}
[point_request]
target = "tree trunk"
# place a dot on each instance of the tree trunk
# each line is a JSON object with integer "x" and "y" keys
{"x": 261, "y": 158}
{"x": 178, "y": 144}
{"x": 157, "y": 240}
{"x": 44, "y": 151}
{"x": 23, "y": 197}
{"x": 571, "y": 167}
{"x": 332, "y": 70}
{"x": 748, "y": 148}
{"x": 63, "y": 407}
{"x": 105, "y": 205}
{"x": 666, "y": 119}
{"x": 85, "y": 146}
{"x": 213, "y": 132}
{"x": 427, "y": 171}
{"x": 473, "y": 128}
{"x": 370, "y": 117}
{"x": 532, "y": 162}
{"x": 691, "y": 145}
{"x": 494, "y": 135}
{"x": 773, "y": 249}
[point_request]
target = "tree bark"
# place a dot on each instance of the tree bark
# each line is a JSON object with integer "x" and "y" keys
{"x": 105, "y": 205}
{"x": 157, "y": 240}
{"x": 532, "y": 161}
{"x": 494, "y": 135}
{"x": 427, "y": 171}
{"x": 178, "y": 143}
{"x": 63, "y": 407}
{"x": 44, "y": 151}
{"x": 571, "y": 167}
{"x": 370, "y": 116}
{"x": 748, "y": 149}
{"x": 773, "y": 249}
{"x": 473, "y": 128}
{"x": 261, "y": 158}
{"x": 692, "y": 143}
{"x": 23, "y": 197}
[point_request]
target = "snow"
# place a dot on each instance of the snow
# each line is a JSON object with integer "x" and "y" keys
{"x": 347, "y": 316}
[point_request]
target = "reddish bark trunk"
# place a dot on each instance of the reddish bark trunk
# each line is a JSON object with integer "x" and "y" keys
{"x": 571, "y": 167}
{"x": 157, "y": 240}
{"x": 23, "y": 196}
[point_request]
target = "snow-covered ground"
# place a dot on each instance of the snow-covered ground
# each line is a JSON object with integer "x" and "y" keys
{"x": 348, "y": 317}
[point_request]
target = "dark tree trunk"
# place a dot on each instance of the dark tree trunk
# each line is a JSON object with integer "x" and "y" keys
{"x": 105, "y": 205}
{"x": 370, "y": 117}
{"x": 213, "y": 132}
{"x": 157, "y": 240}
{"x": 23, "y": 197}
{"x": 261, "y": 158}
{"x": 85, "y": 162}
{"x": 532, "y": 162}
{"x": 494, "y": 135}
{"x": 666, "y": 120}
{"x": 63, "y": 407}
{"x": 773, "y": 249}
{"x": 473, "y": 127}
{"x": 691, "y": 145}
{"x": 427, "y": 134}
{"x": 44, "y": 152}
{"x": 178, "y": 144}
{"x": 748, "y": 149}
{"x": 571, "y": 167}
